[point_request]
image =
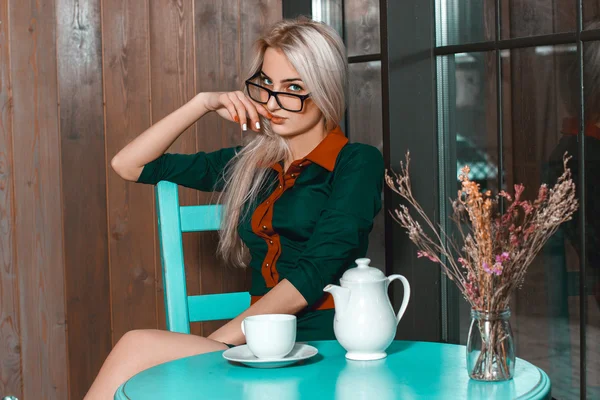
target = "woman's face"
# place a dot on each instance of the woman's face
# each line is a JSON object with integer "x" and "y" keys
{"x": 280, "y": 76}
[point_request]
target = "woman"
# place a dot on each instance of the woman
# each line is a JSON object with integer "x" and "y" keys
{"x": 299, "y": 201}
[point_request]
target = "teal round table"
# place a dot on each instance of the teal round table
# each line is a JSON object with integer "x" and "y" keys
{"x": 412, "y": 370}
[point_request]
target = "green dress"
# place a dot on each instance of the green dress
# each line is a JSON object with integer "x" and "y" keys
{"x": 308, "y": 226}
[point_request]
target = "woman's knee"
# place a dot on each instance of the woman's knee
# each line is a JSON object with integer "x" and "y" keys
{"x": 171, "y": 343}
{"x": 138, "y": 339}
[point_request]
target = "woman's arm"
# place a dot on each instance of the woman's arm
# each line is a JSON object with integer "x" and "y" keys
{"x": 284, "y": 298}
{"x": 154, "y": 141}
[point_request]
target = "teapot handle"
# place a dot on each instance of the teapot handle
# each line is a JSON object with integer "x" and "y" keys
{"x": 406, "y": 294}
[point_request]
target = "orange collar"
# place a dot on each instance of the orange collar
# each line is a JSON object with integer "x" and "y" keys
{"x": 326, "y": 152}
{"x": 570, "y": 126}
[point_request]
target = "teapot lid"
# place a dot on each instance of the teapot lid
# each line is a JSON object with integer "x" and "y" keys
{"x": 363, "y": 272}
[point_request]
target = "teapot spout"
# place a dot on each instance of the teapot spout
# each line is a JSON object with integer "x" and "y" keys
{"x": 340, "y": 297}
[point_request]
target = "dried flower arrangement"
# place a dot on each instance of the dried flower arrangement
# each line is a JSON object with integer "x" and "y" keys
{"x": 495, "y": 249}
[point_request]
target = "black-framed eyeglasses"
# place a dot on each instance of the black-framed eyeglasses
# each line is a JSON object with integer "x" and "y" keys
{"x": 288, "y": 101}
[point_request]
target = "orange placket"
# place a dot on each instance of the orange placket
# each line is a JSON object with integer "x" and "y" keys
{"x": 262, "y": 221}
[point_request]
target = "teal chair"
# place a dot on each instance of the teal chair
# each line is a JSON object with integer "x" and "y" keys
{"x": 173, "y": 220}
{"x": 181, "y": 309}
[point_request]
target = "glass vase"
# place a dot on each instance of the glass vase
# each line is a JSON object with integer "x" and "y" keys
{"x": 490, "y": 346}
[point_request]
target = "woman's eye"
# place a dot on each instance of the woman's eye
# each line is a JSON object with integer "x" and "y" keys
{"x": 267, "y": 81}
{"x": 295, "y": 88}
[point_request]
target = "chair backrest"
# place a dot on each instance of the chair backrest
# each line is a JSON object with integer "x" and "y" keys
{"x": 173, "y": 220}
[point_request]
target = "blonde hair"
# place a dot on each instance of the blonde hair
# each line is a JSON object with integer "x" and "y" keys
{"x": 318, "y": 53}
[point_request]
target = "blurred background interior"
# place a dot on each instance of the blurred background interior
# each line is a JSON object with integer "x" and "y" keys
{"x": 505, "y": 86}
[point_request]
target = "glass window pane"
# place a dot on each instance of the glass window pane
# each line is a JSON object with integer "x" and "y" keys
{"x": 362, "y": 27}
{"x": 470, "y": 102}
{"x": 591, "y": 69}
{"x": 365, "y": 126}
{"x": 465, "y": 21}
{"x": 540, "y": 97}
{"x": 329, "y": 12}
{"x": 591, "y": 14}
{"x": 521, "y": 18}
{"x": 540, "y": 113}
{"x": 468, "y": 122}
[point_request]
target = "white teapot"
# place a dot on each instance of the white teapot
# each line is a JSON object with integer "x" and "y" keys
{"x": 365, "y": 322}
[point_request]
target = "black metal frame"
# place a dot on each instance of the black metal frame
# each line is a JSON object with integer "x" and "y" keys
{"x": 518, "y": 43}
{"x": 578, "y": 37}
{"x": 410, "y": 123}
{"x": 272, "y": 93}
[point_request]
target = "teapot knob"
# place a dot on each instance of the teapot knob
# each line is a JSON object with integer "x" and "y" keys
{"x": 363, "y": 262}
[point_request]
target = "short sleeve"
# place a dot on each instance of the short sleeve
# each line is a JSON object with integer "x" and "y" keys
{"x": 202, "y": 171}
{"x": 342, "y": 230}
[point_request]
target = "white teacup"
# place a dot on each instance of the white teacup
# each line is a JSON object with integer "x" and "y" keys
{"x": 270, "y": 336}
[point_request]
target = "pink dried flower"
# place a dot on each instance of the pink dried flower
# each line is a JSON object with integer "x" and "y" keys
{"x": 527, "y": 207}
{"x": 497, "y": 268}
{"x": 519, "y": 191}
{"x": 486, "y": 267}
{"x": 425, "y": 254}
{"x": 530, "y": 229}
{"x": 500, "y": 258}
{"x": 542, "y": 194}
{"x": 471, "y": 277}
{"x": 472, "y": 291}
{"x": 505, "y": 195}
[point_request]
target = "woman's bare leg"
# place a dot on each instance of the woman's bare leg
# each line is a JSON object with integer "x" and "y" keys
{"x": 141, "y": 349}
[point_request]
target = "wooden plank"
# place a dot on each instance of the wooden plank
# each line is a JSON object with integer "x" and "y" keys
{"x": 257, "y": 16}
{"x": 37, "y": 200}
{"x": 84, "y": 190}
{"x": 10, "y": 341}
{"x": 172, "y": 85}
{"x": 207, "y": 34}
{"x": 130, "y": 206}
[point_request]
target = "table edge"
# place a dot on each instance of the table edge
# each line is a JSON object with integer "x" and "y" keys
{"x": 541, "y": 391}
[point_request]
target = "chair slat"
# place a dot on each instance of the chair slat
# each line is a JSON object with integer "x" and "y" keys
{"x": 200, "y": 218}
{"x": 213, "y": 307}
{"x": 174, "y": 219}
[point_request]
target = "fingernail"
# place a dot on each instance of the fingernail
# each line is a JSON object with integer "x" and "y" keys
{"x": 244, "y": 127}
{"x": 257, "y": 125}
{"x": 236, "y": 119}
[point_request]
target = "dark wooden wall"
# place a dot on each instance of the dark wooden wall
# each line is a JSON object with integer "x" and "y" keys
{"x": 79, "y": 263}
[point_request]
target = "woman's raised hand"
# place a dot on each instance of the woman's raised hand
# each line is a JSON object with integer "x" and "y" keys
{"x": 236, "y": 106}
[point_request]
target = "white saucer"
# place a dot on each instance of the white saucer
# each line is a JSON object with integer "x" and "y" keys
{"x": 242, "y": 354}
